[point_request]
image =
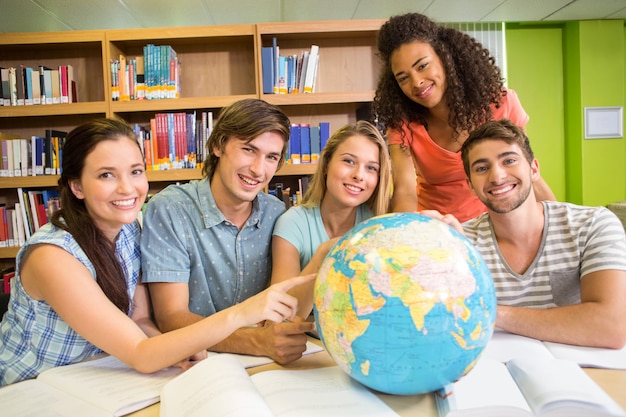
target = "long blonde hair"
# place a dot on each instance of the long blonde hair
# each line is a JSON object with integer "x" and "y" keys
{"x": 379, "y": 201}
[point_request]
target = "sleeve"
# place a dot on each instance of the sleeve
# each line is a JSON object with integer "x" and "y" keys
{"x": 605, "y": 245}
{"x": 164, "y": 256}
{"x": 512, "y": 109}
{"x": 394, "y": 136}
{"x": 289, "y": 226}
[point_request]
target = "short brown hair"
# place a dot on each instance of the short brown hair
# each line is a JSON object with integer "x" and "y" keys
{"x": 504, "y": 130}
{"x": 245, "y": 119}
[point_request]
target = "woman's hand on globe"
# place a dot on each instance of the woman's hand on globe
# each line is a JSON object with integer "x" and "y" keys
{"x": 448, "y": 219}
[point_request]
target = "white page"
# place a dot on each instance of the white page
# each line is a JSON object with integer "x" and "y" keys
{"x": 504, "y": 346}
{"x": 544, "y": 381}
{"x": 110, "y": 384}
{"x": 327, "y": 392}
{"x": 33, "y": 398}
{"x": 250, "y": 361}
{"x": 216, "y": 386}
{"x": 488, "y": 384}
{"x": 589, "y": 356}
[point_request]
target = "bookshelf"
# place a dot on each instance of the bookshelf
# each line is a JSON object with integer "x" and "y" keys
{"x": 220, "y": 65}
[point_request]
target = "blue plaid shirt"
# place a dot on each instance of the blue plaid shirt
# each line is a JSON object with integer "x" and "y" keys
{"x": 187, "y": 239}
{"x": 33, "y": 337}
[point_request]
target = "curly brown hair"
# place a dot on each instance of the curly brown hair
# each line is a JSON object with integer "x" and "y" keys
{"x": 474, "y": 80}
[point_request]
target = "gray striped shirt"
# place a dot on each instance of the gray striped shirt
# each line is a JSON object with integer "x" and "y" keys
{"x": 576, "y": 241}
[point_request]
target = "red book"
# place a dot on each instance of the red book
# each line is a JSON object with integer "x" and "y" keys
{"x": 6, "y": 278}
{"x": 63, "y": 82}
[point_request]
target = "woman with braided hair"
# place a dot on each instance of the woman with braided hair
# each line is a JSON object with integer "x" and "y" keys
{"x": 437, "y": 84}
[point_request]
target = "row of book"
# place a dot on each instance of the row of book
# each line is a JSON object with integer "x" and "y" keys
{"x": 175, "y": 140}
{"x": 33, "y": 209}
{"x": 151, "y": 76}
{"x": 306, "y": 141}
{"x": 39, "y": 155}
{"x": 289, "y": 74}
{"x": 23, "y": 85}
{"x": 287, "y": 195}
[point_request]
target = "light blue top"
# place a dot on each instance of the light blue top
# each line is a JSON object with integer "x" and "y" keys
{"x": 186, "y": 238}
{"x": 304, "y": 229}
{"x": 33, "y": 337}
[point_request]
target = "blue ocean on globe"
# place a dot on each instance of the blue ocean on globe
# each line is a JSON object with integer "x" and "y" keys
{"x": 404, "y": 304}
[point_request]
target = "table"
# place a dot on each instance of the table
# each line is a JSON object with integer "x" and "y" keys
{"x": 611, "y": 380}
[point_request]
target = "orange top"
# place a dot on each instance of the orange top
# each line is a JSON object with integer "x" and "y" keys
{"x": 441, "y": 181}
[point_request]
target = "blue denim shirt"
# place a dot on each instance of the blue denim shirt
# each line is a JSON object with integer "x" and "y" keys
{"x": 186, "y": 238}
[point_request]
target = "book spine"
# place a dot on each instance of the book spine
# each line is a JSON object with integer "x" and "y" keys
{"x": 305, "y": 143}
{"x": 294, "y": 144}
{"x": 324, "y": 134}
{"x": 310, "y": 70}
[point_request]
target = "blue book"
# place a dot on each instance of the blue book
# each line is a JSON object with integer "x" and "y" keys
{"x": 324, "y": 133}
{"x": 294, "y": 144}
{"x": 267, "y": 63}
{"x": 275, "y": 52}
{"x": 315, "y": 144}
{"x": 305, "y": 143}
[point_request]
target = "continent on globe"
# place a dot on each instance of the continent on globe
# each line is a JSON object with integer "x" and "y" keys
{"x": 404, "y": 304}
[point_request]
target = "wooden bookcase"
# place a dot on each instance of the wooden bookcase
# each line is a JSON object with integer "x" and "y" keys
{"x": 220, "y": 65}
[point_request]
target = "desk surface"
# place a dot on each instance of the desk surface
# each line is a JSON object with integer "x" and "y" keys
{"x": 612, "y": 381}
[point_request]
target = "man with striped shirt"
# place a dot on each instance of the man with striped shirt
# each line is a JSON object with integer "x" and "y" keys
{"x": 559, "y": 269}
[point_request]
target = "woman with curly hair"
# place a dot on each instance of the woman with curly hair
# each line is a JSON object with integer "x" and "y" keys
{"x": 437, "y": 85}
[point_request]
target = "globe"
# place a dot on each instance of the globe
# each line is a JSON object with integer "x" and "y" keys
{"x": 404, "y": 304}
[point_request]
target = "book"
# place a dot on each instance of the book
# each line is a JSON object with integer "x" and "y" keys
{"x": 324, "y": 134}
{"x": 311, "y": 69}
{"x": 6, "y": 86}
{"x": 220, "y": 386}
{"x": 315, "y": 144}
{"x": 267, "y": 62}
{"x": 294, "y": 144}
{"x": 503, "y": 346}
{"x": 305, "y": 143}
{"x": 525, "y": 386}
{"x": 104, "y": 387}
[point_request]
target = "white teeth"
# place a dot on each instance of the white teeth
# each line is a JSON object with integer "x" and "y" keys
{"x": 124, "y": 203}
{"x": 247, "y": 181}
{"x": 503, "y": 190}
{"x": 353, "y": 188}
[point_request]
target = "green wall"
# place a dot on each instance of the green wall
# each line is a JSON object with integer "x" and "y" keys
{"x": 558, "y": 70}
{"x": 536, "y": 74}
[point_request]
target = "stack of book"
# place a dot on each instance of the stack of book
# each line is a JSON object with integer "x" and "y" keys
{"x": 306, "y": 142}
{"x": 154, "y": 75}
{"x": 289, "y": 74}
{"x": 25, "y": 86}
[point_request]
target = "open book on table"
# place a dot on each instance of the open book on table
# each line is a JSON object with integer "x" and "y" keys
{"x": 220, "y": 386}
{"x": 103, "y": 387}
{"x": 523, "y": 387}
{"x": 504, "y": 346}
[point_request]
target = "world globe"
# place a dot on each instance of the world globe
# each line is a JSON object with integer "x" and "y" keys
{"x": 404, "y": 304}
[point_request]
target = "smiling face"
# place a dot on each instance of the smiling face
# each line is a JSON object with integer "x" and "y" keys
{"x": 113, "y": 184}
{"x": 500, "y": 175}
{"x": 352, "y": 173}
{"x": 419, "y": 73}
{"x": 245, "y": 168}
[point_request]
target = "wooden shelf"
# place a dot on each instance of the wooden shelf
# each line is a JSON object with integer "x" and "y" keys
{"x": 297, "y": 170}
{"x": 29, "y": 181}
{"x": 9, "y": 252}
{"x": 221, "y": 64}
{"x": 173, "y": 175}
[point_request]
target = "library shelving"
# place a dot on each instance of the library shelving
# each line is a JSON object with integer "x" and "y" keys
{"x": 219, "y": 65}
